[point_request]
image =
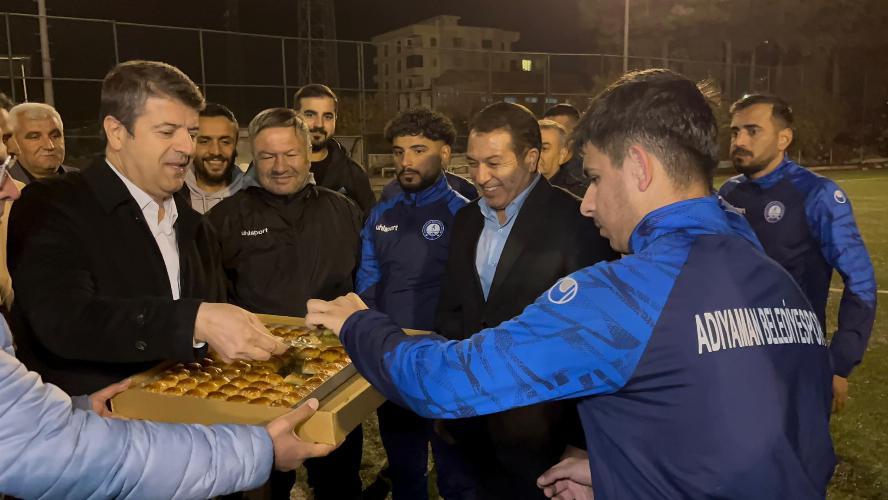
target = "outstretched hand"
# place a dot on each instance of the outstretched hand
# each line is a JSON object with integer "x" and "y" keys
{"x": 333, "y": 314}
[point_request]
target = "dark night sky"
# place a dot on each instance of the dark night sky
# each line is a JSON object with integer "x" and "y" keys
{"x": 545, "y": 25}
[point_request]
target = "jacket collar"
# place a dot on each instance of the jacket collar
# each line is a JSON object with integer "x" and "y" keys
{"x": 108, "y": 188}
{"x": 431, "y": 194}
{"x": 774, "y": 177}
{"x": 695, "y": 216}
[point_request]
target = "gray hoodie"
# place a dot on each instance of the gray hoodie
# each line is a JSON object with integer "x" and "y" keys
{"x": 203, "y": 201}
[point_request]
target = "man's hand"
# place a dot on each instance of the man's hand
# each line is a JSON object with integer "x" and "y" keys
{"x": 98, "y": 401}
{"x": 840, "y": 393}
{"x": 570, "y": 479}
{"x": 234, "y": 333}
{"x": 333, "y": 314}
{"x": 289, "y": 450}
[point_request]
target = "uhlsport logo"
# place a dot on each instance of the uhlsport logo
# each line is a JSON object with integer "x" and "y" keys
{"x": 563, "y": 291}
{"x": 839, "y": 196}
{"x": 774, "y": 211}
{"x": 386, "y": 229}
{"x": 254, "y": 232}
{"x": 433, "y": 229}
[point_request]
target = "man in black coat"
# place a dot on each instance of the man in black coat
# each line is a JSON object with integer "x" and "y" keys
{"x": 331, "y": 164}
{"x": 507, "y": 248}
{"x": 112, "y": 273}
{"x": 37, "y": 141}
{"x": 285, "y": 240}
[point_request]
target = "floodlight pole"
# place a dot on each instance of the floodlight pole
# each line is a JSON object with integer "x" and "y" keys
{"x": 46, "y": 61}
{"x": 625, "y": 36}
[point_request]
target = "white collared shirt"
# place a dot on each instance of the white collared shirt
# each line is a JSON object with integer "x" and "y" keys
{"x": 164, "y": 231}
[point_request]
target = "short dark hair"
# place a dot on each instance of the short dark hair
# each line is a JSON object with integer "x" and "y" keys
{"x": 562, "y": 109}
{"x": 780, "y": 109}
{"x": 421, "y": 121}
{"x": 314, "y": 90}
{"x": 213, "y": 109}
{"x": 664, "y": 111}
{"x": 515, "y": 119}
{"x": 5, "y": 102}
{"x": 279, "y": 118}
{"x": 129, "y": 84}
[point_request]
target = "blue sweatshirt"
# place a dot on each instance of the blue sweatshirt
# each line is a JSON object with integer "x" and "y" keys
{"x": 404, "y": 248}
{"x": 696, "y": 381}
{"x": 805, "y": 222}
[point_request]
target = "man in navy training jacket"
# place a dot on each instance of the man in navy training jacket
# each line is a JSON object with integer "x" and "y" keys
{"x": 702, "y": 366}
{"x": 805, "y": 223}
{"x": 404, "y": 255}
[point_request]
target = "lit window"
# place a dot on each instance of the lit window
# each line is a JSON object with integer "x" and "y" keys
{"x": 526, "y": 65}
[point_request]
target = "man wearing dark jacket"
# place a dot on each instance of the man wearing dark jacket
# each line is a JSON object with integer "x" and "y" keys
{"x": 112, "y": 272}
{"x": 37, "y": 141}
{"x": 805, "y": 223}
{"x": 284, "y": 240}
{"x": 570, "y": 173}
{"x": 331, "y": 164}
{"x": 508, "y": 247}
{"x": 404, "y": 255}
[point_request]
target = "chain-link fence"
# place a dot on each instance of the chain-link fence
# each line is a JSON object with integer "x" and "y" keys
{"x": 251, "y": 72}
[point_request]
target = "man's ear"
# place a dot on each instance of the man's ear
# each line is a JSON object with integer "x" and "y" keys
{"x": 639, "y": 164}
{"x": 115, "y": 132}
{"x": 562, "y": 157}
{"x": 784, "y": 139}
{"x": 532, "y": 158}
{"x": 446, "y": 153}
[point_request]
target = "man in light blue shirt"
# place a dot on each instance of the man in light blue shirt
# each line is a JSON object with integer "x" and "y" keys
{"x": 523, "y": 235}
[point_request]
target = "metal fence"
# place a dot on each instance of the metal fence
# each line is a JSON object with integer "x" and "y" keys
{"x": 251, "y": 72}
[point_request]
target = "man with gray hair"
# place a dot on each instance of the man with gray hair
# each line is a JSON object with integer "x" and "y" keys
{"x": 37, "y": 142}
{"x": 285, "y": 240}
{"x": 554, "y": 153}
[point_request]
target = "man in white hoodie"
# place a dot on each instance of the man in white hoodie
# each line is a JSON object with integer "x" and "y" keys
{"x": 213, "y": 175}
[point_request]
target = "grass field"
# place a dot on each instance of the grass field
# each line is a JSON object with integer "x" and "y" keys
{"x": 860, "y": 433}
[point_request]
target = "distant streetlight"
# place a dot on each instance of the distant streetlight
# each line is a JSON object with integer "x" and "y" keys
{"x": 625, "y": 36}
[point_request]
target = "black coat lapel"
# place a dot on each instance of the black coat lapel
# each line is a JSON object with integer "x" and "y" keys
{"x": 137, "y": 254}
{"x": 475, "y": 226}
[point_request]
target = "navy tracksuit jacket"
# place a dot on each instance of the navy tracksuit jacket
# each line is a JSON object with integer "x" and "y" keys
{"x": 404, "y": 248}
{"x": 805, "y": 222}
{"x": 702, "y": 368}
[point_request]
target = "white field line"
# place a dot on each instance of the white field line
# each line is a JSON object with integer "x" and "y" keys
{"x": 861, "y": 179}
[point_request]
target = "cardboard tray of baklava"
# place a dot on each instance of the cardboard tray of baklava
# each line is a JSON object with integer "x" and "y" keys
{"x": 209, "y": 391}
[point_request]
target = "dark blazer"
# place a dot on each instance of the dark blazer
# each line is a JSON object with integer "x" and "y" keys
{"x": 549, "y": 239}
{"x": 93, "y": 300}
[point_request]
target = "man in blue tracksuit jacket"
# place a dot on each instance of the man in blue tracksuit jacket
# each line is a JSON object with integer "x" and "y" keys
{"x": 805, "y": 222}
{"x": 403, "y": 259}
{"x": 702, "y": 369}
